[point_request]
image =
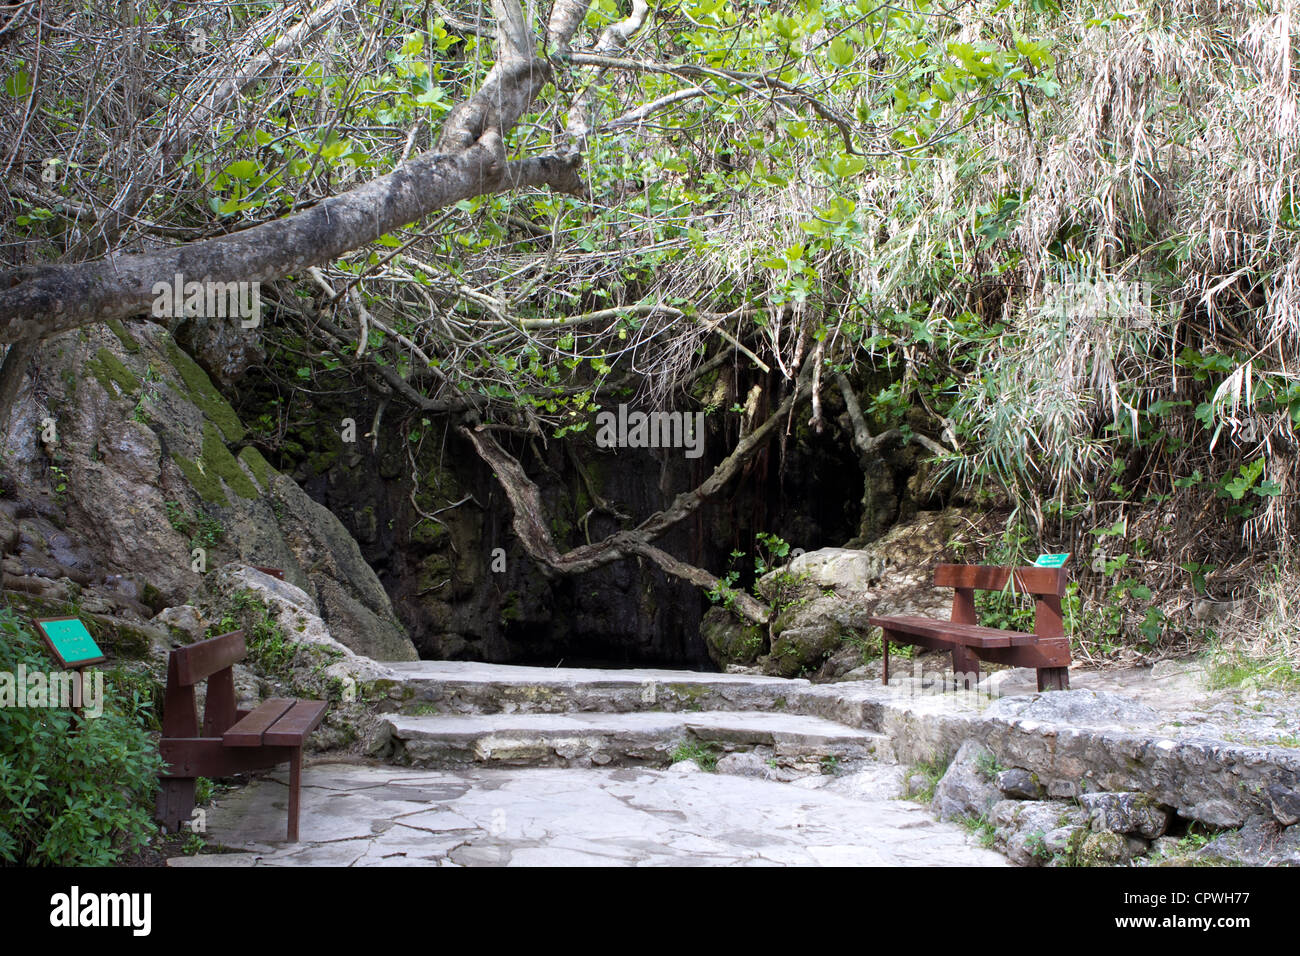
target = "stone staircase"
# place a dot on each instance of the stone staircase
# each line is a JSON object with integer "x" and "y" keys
{"x": 452, "y": 714}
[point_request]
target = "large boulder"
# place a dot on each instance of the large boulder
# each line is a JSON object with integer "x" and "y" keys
{"x": 1131, "y": 813}
{"x": 134, "y": 478}
{"x": 968, "y": 788}
{"x": 291, "y": 645}
{"x": 730, "y": 640}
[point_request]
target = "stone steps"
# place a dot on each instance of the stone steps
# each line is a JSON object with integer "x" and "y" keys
{"x": 424, "y": 688}
{"x": 641, "y": 738}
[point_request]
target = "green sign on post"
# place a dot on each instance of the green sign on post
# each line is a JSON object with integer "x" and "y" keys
{"x": 70, "y": 642}
{"x": 1052, "y": 560}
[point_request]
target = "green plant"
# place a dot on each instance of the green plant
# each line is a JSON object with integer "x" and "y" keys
{"x": 931, "y": 771}
{"x": 268, "y": 646}
{"x": 203, "y": 530}
{"x": 987, "y": 765}
{"x": 73, "y": 791}
{"x": 193, "y": 845}
{"x": 705, "y": 755}
{"x": 981, "y": 828}
{"x": 1037, "y": 847}
{"x": 59, "y": 479}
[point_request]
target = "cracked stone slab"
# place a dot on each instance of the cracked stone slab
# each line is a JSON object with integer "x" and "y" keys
{"x": 354, "y": 815}
{"x": 457, "y": 687}
{"x": 599, "y": 738}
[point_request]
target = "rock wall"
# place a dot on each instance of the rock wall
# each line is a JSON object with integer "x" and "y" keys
{"x": 122, "y": 458}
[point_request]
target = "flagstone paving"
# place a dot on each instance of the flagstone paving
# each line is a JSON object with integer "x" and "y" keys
{"x": 369, "y": 814}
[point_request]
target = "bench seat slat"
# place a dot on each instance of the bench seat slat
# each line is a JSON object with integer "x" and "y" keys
{"x": 292, "y": 728}
{"x": 968, "y": 635}
{"x": 249, "y": 731}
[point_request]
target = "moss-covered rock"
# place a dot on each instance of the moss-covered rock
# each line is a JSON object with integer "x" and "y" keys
{"x": 128, "y": 342}
{"x": 200, "y": 390}
{"x": 110, "y": 371}
{"x": 731, "y": 641}
{"x": 799, "y": 650}
{"x": 208, "y": 486}
{"x": 258, "y": 465}
{"x": 214, "y": 466}
{"x": 218, "y": 459}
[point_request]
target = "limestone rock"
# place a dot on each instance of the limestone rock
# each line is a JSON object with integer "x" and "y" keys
{"x": 183, "y": 621}
{"x": 746, "y": 764}
{"x": 1076, "y": 708}
{"x": 296, "y": 615}
{"x": 967, "y": 788}
{"x": 685, "y": 766}
{"x": 1285, "y": 804}
{"x": 1260, "y": 842}
{"x": 797, "y": 650}
{"x": 1105, "y": 849}
{"x": 1034, "y": 832}
{"x": 1019, "y": 784}
{"x": 1130, "y": 813}
{"x": 149, "y": 465}
{"x": 731, "y": 641}
{"x": 1214, "y": 811}
{"x": 827, "y": 597}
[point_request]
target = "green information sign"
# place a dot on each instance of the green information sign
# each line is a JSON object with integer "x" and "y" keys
{"x": 70, "y": 642}
{"x": 1052, "y": 560}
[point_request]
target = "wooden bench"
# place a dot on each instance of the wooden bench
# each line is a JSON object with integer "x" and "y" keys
{"x": 231, "y": 740}
{"x": 1047, "y": 650}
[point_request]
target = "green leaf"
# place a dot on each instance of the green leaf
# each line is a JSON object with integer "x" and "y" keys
{"x": 846, "y": 166}
{"x": 242, "y": 169}
{"x": 18, "y": 85}
{"x": 840, "y": 53}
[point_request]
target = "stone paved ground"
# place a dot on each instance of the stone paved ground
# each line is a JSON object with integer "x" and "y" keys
{"x": 366, "y": 814}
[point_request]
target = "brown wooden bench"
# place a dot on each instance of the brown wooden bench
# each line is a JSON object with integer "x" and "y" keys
{"x": 1047, "y": 650}
{"x": 232, "y": 740}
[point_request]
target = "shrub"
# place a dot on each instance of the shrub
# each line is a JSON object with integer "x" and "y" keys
{"x": 73, "y": 792}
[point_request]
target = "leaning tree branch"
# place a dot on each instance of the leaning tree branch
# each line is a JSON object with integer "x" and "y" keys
{"x": 533, "y": 530}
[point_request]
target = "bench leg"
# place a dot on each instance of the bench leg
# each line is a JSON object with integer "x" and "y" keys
{"x": 884, "y": 672}
{"x": 964, "y": 662}
{"x": 295, "y": 786}
{"x": 175, "y": 802}
{"x": 1053, "y": 678}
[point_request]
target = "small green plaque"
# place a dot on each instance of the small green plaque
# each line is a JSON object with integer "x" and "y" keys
{"x": 70, "y": 642}
{"x": 1052, "y": 560}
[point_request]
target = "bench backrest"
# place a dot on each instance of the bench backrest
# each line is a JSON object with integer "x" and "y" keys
{"x": 1045, "y": 584}
{"x": 209, "y": 660}
{"x": 1027, "y": 580}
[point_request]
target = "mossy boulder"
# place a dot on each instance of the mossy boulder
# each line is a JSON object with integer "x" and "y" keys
{"x": 140, "y": 485}
{"x": 798, "y": 651}
{"x": 730, "y": 640}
